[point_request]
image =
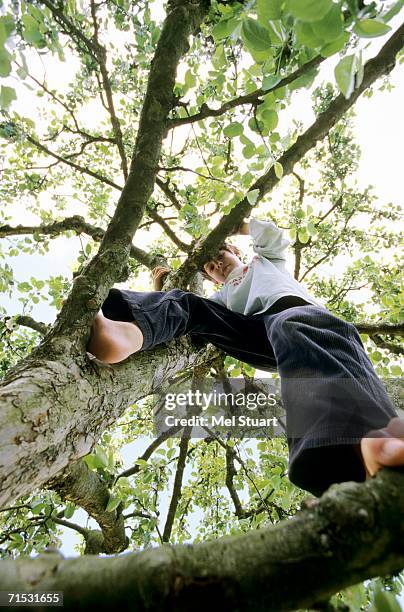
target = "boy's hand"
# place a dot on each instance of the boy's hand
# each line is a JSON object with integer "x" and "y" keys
{"x": 158, "y": 273}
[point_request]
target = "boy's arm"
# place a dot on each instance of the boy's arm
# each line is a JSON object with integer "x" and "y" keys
{"x": 268, "y": 239}
{"x": 158, "y": 273}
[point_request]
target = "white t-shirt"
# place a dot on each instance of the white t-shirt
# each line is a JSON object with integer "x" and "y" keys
{"x": 254, "y": 287}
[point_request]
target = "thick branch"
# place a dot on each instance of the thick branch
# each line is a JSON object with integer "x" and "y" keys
{"x": 392, "y": 329}
{"x": 354, "y": 532}
{"x": 108, "y": 266}
{"x": 54, "y": 409}
{"x": 84, "y": 488}
{"x": 389, "y": 346}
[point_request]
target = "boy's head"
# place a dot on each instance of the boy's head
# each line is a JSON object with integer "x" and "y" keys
{"x": 217, "y": 269}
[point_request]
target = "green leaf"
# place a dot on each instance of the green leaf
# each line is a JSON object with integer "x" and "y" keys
{"x": 306, "y": 80}
{"x": 252, "y": 196}
{"x": 69, "y": 510}
{"x": 278, "y": 168}
{"x": 255, "y": 125}
{"x": 385, "y": 601}
{"x": 37, "y": 508}
{"x": 303, "y": 235}
{"x": 393, "y": 10}
{"x": 190, "y": 79}
{"x": 331, "y": 26}
{"x": 223, "y": 29}
{"x": 305, "y": 35}
{"x": 101, "y": 458}
{"x": 7, "y": 95}
{"x": 24, "y": 287}
{"x": 5, "y": 63}
{"x": 248, "y": 151}
{"x": 376, "y": 356}
{"x": 309, "y": 10}
{"x": 246, "y": 141}
{"x": 311, "y": 228}
{"x": 335, "y": 46}
{"x": 31, "y": 32}
{"x": 270, "y": 81}
{"x": 219, "y": 58}
{"x": 255, "y": 35}
{"x": 113, "y": 503}
{"x": 269, "y": 9}
{"x": 370, "y": 28}
{"x": 268, "y": 102}
{"x": 345, "y": 74}
{"x": 6, "y": 27}
{"x": 16, "y": 537}
{"x": 233, "y": 129}
{"x": 270, "y": 119}
{"x": 395, "y": 370}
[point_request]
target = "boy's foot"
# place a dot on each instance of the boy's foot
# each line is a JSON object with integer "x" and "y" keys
{"x": 386, "y": 450}
{"x": 113, "y": 341}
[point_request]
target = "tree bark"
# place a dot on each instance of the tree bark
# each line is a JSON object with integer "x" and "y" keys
{"x": 354, "y": 532}
{"x": 54, "y": 410}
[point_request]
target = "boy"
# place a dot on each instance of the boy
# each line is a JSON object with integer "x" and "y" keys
{"x": 263, "y": 316}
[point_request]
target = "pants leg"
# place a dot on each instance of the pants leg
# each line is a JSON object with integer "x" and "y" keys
{"x": 164, "y": 315}
{"x": 331, "y": 394}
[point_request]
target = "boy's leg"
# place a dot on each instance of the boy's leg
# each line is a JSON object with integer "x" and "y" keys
{"x": 162, "y": 316}
{"x": 331, "y": 394}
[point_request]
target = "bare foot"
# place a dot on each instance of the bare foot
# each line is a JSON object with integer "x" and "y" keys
{"x": 113, "y": 341}
{"x": 387, "y": 450}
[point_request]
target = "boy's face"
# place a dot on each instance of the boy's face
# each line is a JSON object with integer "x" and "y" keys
{"x": 220, "y": 267}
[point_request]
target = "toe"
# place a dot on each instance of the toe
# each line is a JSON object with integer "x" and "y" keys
{"x": 386, "y": 449}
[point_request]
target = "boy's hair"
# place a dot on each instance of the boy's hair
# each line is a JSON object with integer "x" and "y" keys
{"x": 225, "y": 246}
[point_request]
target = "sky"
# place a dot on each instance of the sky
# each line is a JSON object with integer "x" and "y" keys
{"x": 379, "y": 130}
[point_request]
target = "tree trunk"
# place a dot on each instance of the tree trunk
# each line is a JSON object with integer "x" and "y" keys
{"x": 53, "y": 412}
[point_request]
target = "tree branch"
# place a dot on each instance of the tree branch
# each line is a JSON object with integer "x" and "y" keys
{"x": 109, "y": 265}
{"x": 176, "y": 494}
{"x": 392, "y": 329}
{"x": 80, "y": 485}
{"x": 251, "y": 98}
{"x": 28, "y": 321}
{"x": 382, "y": 64}
{"x": 66, "y": 161}
{"x": 353, "y": 533}
{"x": 169, "y": 232}
{"x": 101, "y": 54}
{"x": 80, "y": 226}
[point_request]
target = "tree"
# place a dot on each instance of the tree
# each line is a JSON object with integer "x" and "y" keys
{"x": 240, "y": 63}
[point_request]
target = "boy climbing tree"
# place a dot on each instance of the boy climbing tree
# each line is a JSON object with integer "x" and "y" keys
{"x": 341, "y": 423}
